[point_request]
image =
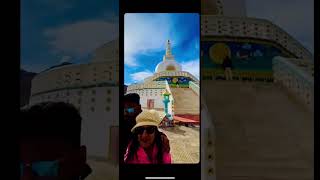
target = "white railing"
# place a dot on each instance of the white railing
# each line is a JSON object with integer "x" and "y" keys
{"x": 171, "y": 111}
{"x": 75, "y": 76}
{"x": 222, "y": 26}
{"x": 295, "y": 79}
{"x": 304, "y": 64}
{"x": 194, "y": 87}
{"x": 147, "y": 85}
{"x": 208, "y": 155}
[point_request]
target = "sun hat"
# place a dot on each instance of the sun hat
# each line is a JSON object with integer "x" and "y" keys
{"x": 147, "y": 118}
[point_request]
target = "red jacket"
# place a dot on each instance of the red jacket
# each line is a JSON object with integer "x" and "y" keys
{"x": 142, "y": 157}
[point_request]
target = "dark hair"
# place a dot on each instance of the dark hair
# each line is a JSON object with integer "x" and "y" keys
{"x": 135, "y": 145}
{"x": 132, "y": 97}
{"x": 51, "y": 120}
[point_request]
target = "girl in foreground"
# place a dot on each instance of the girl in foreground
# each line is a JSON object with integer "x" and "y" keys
{"x": 146, "y": 146}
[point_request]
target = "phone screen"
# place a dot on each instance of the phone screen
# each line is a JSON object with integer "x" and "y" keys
{"x": 161, "y": 76}
{"x": 160, "y": 128}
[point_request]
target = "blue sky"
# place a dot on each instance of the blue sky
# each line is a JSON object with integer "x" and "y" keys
{"x": 296, "y": 17}
{"x": 145, "y": 39}
{"x": 55, "y": 31}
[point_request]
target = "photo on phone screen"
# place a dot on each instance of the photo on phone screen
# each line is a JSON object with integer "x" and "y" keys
{"x": 162, "y": 88}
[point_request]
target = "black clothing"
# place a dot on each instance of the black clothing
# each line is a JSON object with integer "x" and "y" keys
{"x": 227, "y": 63}
{"x": 126, "y": 136}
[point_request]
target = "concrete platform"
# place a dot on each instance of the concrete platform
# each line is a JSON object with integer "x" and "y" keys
{"x": 184, "y": 143}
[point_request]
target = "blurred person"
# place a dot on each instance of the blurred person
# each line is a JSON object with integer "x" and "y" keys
{"x": 49, "y": 143}
{"x": 146, "y": 144}
{"x": 227, "y": 66}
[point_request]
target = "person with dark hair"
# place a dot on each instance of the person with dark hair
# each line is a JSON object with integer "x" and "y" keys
{"x": 49, "y": 143}
{"x": 132, "y": 109}
{"x": 146, "y": 145}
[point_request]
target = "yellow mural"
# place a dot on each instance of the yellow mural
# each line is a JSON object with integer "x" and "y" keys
{"x": 218, "y": 52}
{"x": 174, "y": 80}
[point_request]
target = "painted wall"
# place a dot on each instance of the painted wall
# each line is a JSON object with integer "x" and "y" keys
{"x": 146, "y": 94}
{"x": 174, "y": 81}
{"x": 248, "y": 59}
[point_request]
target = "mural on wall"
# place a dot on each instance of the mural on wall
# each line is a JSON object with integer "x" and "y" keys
{"x": 249, "y": 60}
{"x": 176, "y": 81}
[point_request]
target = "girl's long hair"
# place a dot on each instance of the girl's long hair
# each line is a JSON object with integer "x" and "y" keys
{"x": 133, "y": 148}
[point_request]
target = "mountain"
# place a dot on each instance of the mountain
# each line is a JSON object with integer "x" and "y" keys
{"x": 25, "y": 86}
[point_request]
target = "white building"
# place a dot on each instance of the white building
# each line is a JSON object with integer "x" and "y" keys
{"x": 93, "y": 88}
{"x": 169, "y": 77}
{"x": 225, "y": 21}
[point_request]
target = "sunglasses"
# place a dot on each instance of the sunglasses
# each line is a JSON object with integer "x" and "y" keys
{"x": 149, "y": 130}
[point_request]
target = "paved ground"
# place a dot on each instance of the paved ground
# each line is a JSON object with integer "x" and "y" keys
{"x": 184, "y": 143}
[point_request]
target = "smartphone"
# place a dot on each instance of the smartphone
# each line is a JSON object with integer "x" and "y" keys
{"x": 160, "y": 98}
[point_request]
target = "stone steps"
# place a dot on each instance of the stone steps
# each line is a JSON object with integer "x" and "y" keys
{"x": 186, "y": 101}
{"x": 261, "y": 133}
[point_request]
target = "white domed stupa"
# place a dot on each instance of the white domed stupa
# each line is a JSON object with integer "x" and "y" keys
{"x": 171, "y": 82}
{"x": 168, "y": 63}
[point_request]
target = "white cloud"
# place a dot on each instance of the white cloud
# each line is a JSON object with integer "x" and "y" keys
{"x": 130, "y": 60}
{"x": 81, "y": 38}
{"x": 145, "y": 33}
{"x": 140, "y": 76}
{"x": 192, "y": 67}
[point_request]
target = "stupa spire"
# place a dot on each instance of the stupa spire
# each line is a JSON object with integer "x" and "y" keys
{"x": 168, "y": 55}
{"x": 168, "y": 48}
